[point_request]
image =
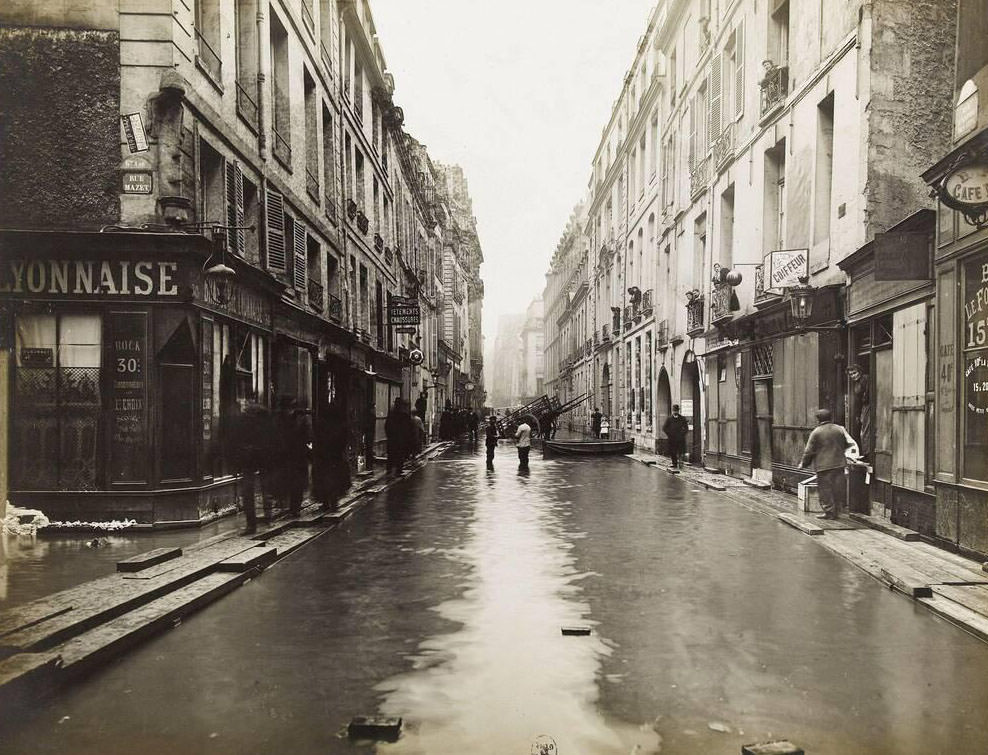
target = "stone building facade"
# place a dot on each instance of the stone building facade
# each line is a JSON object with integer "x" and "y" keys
{"x": 261, "y": 137}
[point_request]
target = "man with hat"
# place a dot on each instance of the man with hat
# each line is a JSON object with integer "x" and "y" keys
{"x": 825, "y": 450}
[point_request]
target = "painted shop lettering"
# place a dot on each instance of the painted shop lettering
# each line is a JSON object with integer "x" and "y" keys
{"x": 90, "y": 278}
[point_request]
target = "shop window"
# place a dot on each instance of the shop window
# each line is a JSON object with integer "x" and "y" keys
{"x": 57, "y": 401}
{"x": 177, "y": 376}
{"x": 974, "y": 376}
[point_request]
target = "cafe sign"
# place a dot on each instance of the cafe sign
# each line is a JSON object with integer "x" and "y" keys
{"x": 967, "y": 186}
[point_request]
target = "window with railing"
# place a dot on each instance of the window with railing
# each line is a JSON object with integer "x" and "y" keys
{"x": 311, "y": 137}
{"x": 281, "y": 116}
{"x": 246, "y": 21}
{"x": 774, "y": 88}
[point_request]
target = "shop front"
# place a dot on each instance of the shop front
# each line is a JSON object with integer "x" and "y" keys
{"x": 890, "y": 383}
{"x": 961, "y": 330}
{"x": 766, "y": 374}
{"x": 127, "y": 365}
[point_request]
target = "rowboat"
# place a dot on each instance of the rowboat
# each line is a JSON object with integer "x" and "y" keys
{"x": 587, "y": 447}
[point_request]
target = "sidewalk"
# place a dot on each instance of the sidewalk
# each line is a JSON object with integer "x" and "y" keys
{"x": 953, "y": 587}
{"x": 52, "y": 640}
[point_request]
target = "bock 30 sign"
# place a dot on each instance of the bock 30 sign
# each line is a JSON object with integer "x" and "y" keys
{"x": 785, "y": 267}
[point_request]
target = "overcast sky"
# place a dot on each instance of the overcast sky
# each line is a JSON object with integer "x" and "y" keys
{"x": 517, "y": 92}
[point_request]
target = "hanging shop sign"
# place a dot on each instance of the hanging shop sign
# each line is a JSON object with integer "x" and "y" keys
{"x": 90, "y": 277}
{"x": 416, "y": 357}
{"x": 784, "y": 268}
{"x": 403, "y": 310}
{"x": 238, "y": 300}
{"x": 967, "y": 187}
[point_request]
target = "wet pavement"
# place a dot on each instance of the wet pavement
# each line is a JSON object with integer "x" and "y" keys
{"x": 442, "y": 601}
{"x": 33, "y": 567}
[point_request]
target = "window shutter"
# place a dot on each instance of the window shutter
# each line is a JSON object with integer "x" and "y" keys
{"x": 739, "y": 70}
{"x": 301, "y": 274}
{"x": 274, "y": 207}
{"x": 692, "y": 116}
{"x": 715, "y": 96}
{"x": 236, "y": 235}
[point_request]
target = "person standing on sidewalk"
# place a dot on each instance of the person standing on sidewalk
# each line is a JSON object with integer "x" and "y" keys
{"x": 675, "y": 428}
{"x": 524, "y": 437}
{"x": 491, "y": 436}
{"x": 595, "y": 420}
{"x": 251, "y": 453}
{"x": 825, "y": 451}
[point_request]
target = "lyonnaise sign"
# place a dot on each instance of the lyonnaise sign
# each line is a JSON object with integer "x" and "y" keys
{"x": 89, "y": 278}
{"x": 785, "y": 267}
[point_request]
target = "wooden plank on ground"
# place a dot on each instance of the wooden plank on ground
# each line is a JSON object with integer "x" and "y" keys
{"x": 907, "y": 581}
{"x": 253, "y": 558}
{"x": 974, "y": 597}
{"x": 148, "y": 558}
{"x": 968, "y": 620}
{"x": 800, "y": 524}
{"x": 882, "y": 525}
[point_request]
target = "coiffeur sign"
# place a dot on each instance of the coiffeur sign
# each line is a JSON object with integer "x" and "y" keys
{"x": 89, "y": 277}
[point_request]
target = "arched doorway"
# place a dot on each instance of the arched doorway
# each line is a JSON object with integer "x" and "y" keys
{"x": 689, "y": 406}
{"x": 663, "y": 407}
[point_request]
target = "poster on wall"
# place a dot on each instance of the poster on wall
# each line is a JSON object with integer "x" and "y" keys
{"x": 127, "y": 362}
{"x": 974, "y": 377}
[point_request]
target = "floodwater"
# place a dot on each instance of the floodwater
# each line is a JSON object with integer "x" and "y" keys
{"x": 32, "y": 567}
{"x": 442, "y": 601}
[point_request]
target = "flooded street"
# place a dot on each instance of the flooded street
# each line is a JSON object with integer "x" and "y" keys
{"x": 442, "y": 601}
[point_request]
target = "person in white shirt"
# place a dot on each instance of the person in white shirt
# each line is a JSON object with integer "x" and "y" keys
{"x": 524, "y": 436}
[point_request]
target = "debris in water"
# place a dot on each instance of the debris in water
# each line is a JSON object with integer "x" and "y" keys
{"x": 63, "y": 719}
{"x": 718, "y": 726}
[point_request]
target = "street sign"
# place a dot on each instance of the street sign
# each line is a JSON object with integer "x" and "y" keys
{"x": 137, "y": 138}
{"x": 403, "y": 310}
{"x": 136, "y": 182}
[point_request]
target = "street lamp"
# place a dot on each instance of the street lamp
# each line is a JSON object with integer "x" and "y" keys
{"x": 219, "y": 272}
{"x": 801, "y": 300}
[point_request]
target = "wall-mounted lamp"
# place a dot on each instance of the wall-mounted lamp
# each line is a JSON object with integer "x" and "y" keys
{"x": 220, "y": 273}
{"x": 801, "y": 300}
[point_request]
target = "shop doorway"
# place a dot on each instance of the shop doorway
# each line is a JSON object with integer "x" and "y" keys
{"x": 663, "y": 400}
{"x": 176, "y": 410}
{"x": 761, "y": 456}
{"x": 689, "y": 400}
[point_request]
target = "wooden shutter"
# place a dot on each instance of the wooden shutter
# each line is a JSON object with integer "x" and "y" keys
{"x": 236, "y": 235}
{"x": 738, "y": 70}
{"x": 715, "y": 96}
{"x": 274, "y": 209}
{"x": 692, "y": 117}
{"x": 301, "y": 261}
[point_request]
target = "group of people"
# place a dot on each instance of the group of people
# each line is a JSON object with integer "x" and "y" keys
{"x": 456, "y": 422}
{"x": 405, "y": 432}
{"x": 276, "y": 450}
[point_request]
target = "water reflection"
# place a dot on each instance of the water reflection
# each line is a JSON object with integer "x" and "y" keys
{"x": 506, "y": 675}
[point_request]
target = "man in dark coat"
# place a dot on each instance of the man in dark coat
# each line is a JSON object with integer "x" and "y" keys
{"x": 825, "y": 450}
{"x": 330, "y": 465}
{"x": 675, "y": 428}
{"x": 293, "y": 436}
{"x": 473, "y": 423}
{"x": 492, "y": 433}
{"x": 399, "y": 430}
{"x": 250, "y": 454}
{"x": 595, "y": 420}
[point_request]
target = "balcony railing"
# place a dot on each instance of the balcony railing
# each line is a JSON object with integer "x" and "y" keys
{"x": 281, "y": 148}
{"x": 605, "y": 334}
{"x": 362, "y": 222}
{"x": 335, "y": 308}
{"x": 330, "y": 207}
{"x": 378, "y": 242}
{"x": 312, "y": 184}
{"x": 720, "y": 303}
{"x": 699, "y": 177}
{"x": 588, "y": 347}
{"x": 317, "y": 295}
{"x": 724, "y": 147}
{"x": 246, "y": 106}
{"x": 761, "y": 295}
{"x": 647, "y": 304}
{"x": 694, "y": 316}
{"x": 774, "y": 88}
{"x": 351, "y": 209}
{"x": 629, "y": 314}
{"x": 209, "y": 60}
